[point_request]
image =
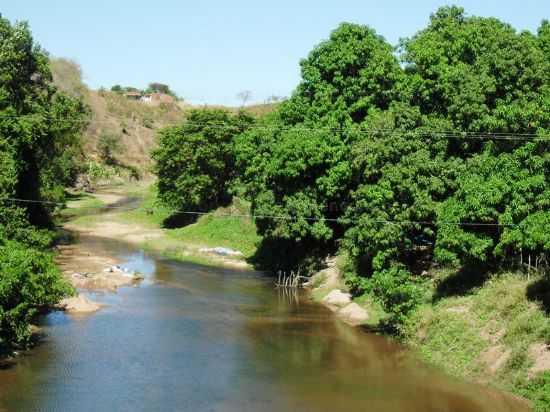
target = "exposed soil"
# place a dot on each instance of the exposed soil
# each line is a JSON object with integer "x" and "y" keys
{"x": 540, "y": 353}
{"x": 494, "y": 358}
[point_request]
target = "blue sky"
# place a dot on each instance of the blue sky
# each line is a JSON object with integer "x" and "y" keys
{"x": 209, "y": 51}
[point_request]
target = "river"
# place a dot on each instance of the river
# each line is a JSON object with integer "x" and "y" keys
{"x": 195, "y": 338}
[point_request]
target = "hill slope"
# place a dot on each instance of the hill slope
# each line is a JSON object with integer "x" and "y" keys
{"x": 133, "y": 123}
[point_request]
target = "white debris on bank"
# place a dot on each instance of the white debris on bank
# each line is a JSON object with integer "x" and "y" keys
{"x": 221, "y": 251}
{"x": 123, "y": 271}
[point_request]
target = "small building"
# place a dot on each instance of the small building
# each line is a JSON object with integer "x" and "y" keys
{"x": 133, "y": 95}
{"x": 156, "y": 99}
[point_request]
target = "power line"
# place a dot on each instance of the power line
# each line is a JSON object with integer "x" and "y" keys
{"x": 386, "y": 132}
{"x": 274, "y": 217}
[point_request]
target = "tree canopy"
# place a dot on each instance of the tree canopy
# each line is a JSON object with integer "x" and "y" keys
{"x": 39, "y": 148}
{"x": 433, "y": 152}
{"x": 195, "y": 160}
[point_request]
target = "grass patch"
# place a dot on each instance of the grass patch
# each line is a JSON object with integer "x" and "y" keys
{"x": 454, "y": 331}
{"x": 80, "y": 204}
{"x": 150, "y": 213}
{"x": 211, "y": 231}
{"x": 217, "y": 229}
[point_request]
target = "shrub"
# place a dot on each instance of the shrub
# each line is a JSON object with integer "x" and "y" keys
{"x": 108, "y": 147}
{"x": 398, "y": 294}
{"x": 538, "y": 390}
{"x": 29, "y": 282}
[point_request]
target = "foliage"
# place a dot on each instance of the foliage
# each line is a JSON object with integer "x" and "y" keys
{"x": 39, "y": 151}
{"x": 30, "y": 282}
{"x": 396, "y": 292}
{"x": 401, "y": 158}
{"x": 371, "y": 156}
{"x": 538, "y": 390}
{"x": 108, "y": 147}
{"x": 38, "y": 124}
{"x": 195, "y": 160}
{"x": 160, "y": 88}
{"x": 511, "y": 189}
{"x": 297, "y": 165}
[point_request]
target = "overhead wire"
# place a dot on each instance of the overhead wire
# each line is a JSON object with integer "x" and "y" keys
{"x": 273, "y": 217}
{"x": 516, "y": 136}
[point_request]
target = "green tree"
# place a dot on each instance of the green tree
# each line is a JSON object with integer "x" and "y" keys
{"x": 30, "y": 282}
{"x": 160, "y": 88}
{"x": 298, "y": 165}
{"x": 40, "y": 130}
{"x": 473, "y": 71}
{"x": 195, "y": 160}
{"x": 378, "y": 158}
{"x": 508, "y": 189}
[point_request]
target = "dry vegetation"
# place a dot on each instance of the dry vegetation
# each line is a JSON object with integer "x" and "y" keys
{"x": 133, "y": 122}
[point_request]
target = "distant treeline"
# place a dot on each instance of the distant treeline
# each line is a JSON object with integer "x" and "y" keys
{"x": 434, "y": 152}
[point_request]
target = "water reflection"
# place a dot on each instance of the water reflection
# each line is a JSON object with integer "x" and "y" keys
{"x": 197, "y": 339}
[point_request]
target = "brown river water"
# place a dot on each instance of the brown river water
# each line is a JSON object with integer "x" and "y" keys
{"x": 200, "y": 339}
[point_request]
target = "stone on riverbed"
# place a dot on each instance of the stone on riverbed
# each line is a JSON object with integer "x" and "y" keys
{"x": 337, "y": 298}
{"x": 353, "y": 314}
{"x": 79, "y": 304}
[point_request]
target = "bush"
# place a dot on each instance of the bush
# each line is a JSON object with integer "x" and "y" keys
{"x": 398, "y": 294}
{"x": 538, "y": 390}
{"x": 108, "y": 147}
{"x": 29, "y": 283}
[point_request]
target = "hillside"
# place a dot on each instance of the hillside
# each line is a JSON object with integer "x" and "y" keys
{"x": 133, "y": 123}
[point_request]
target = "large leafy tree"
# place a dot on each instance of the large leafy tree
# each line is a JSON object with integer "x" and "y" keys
{"x": 384, "y": 159}
{"x": 39, "y": 142}
{"x": 39, "y": 126}
{"x": 298, "y": 164}
{"x": 195, "y": 160}
{"x": 477, "y": 72}
{"x": 504, "y": 203}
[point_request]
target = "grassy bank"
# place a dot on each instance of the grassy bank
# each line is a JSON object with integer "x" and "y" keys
{"x": 493, "y": 330}
{"x": 148, "y": 225}
{"x": 217, "y": 229}
{"x": 496, "y": 332}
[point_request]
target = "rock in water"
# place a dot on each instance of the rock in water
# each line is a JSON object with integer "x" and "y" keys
{"x": 79, "y": 304}
{"x": 353, "y": 314}
{"x": 337, "y": 298}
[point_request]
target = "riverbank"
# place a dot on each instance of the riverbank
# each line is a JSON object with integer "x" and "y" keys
{"x": 493, "y": 333}
{"x": 141, "y": 223}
